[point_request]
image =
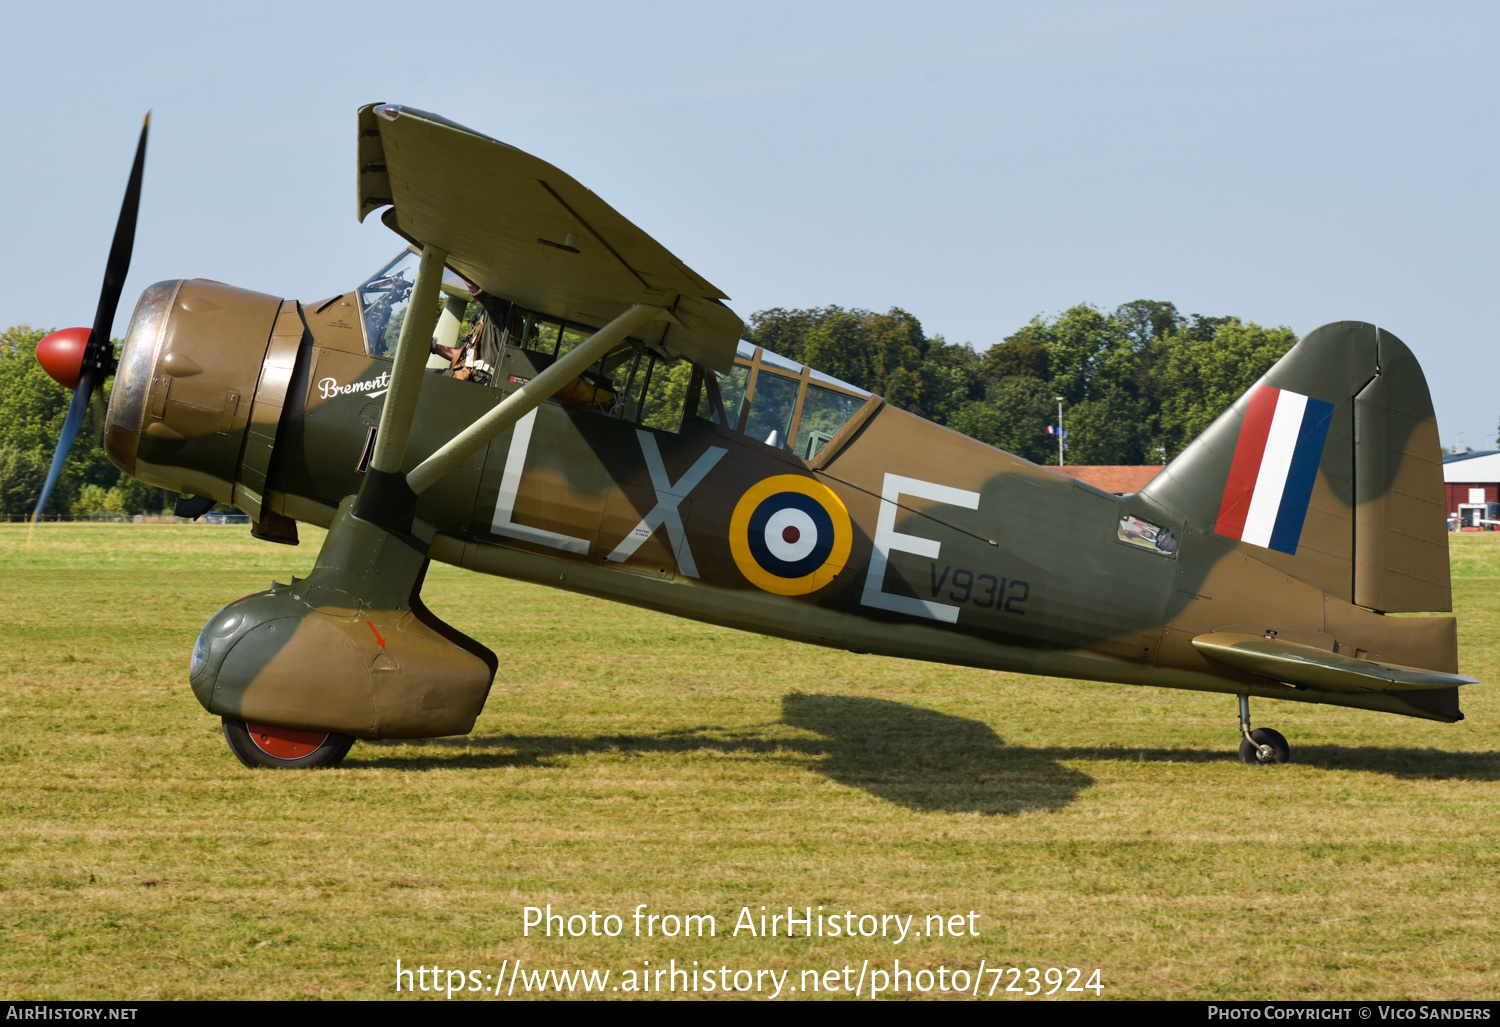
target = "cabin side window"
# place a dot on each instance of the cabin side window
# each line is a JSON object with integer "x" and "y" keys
{"x": 632, "y": 382}
{"x": 492, "y": 342}
{"x": 778, "y": 402}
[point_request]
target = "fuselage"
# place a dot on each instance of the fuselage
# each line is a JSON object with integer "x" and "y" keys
{"x": 886, "y": 533}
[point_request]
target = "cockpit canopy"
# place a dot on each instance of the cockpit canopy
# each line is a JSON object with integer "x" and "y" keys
{"x": 765, "y": 396}
{"x": 780, "y": 402}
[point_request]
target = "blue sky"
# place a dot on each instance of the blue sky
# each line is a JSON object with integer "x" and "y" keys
{"x": 975, "y": 164}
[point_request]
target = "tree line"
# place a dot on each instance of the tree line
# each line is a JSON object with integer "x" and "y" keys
{"x": 1137, "y": 383}
{"x": 32, "y": 409}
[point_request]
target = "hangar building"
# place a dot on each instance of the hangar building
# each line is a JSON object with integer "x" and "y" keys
{"x": 1471, "y": 479}
{"x": 1465, "y": 471}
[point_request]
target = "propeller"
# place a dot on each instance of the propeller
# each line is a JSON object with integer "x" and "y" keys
{"x": 82, "y": 358}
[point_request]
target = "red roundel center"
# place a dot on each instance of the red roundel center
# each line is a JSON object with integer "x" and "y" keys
{"x": 285, "y": 743}
{"x": 790, "y": 534}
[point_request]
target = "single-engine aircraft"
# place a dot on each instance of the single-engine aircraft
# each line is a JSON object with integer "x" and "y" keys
{"x": 611, "y": 434}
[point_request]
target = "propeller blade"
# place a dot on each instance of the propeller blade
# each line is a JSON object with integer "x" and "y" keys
{"x": 71, "y": 424}
{"x": 98, "y": 362}
{"x": 100, "y": 355}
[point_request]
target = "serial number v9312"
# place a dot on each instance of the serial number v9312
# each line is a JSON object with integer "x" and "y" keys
{"x": 983, "y": 590}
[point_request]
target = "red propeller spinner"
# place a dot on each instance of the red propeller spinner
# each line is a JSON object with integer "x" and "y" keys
{"x": 61, "y": 355}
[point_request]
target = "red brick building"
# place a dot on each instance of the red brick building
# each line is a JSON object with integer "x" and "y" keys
{"x": 1111, "y": 478}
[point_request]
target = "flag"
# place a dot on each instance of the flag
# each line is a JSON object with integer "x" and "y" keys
{"x": 1052, "y": 429}
{"x": 1274, "y": 468}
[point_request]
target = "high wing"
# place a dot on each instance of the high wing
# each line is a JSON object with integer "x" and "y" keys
{"x": 520, "y": 229}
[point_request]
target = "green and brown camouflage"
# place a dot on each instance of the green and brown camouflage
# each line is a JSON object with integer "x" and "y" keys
{"x": 721, "y": 482}
{"x": 350, "y": 648}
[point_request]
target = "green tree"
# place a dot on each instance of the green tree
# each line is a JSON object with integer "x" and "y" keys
{"x": 666, "y": 395}
{"x": 1013, "y": 416}
{"x": 1083, "y": 339}
{"x": 1149, "y": 320}
{"x": 1203, "y": 369}
{"x": 33, "y": 404}
{"x": 90, "y": 501}
{"x": 137, "y": 497}
{"x": 1026, "y": 354}
{"x": 838, "y": 345}
{"x": 899, "y": 347}
{"x": 1111, "y": 427}
{"x": 21, "y": 476}
{"x": 952, "y": 377}
{"x": 1101, "y": 364}
{"x": 785, "y": 331}
{"x": 114, "y": 502}
{"x": 1138, "y": 381}
{"x": 884, "y": 353}
{"x": 32, "y": 410}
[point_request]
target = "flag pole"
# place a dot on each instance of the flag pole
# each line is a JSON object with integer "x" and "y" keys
{"x": 1060, "y": 460}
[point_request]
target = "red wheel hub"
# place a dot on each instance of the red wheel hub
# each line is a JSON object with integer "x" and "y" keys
{"x": 285, "y": 743}
{"x": 61, "y": 355}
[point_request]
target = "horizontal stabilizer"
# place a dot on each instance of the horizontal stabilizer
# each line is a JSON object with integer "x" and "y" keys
{"x": 1316, "y": 668}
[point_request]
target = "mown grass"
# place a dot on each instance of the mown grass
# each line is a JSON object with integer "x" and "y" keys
{"x": 628, "y": 757}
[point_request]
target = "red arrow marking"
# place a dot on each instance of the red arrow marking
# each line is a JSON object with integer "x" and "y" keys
{"x": 377, "y": 633}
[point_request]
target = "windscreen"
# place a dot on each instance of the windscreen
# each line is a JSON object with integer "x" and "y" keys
{"x": 383, "y": 300}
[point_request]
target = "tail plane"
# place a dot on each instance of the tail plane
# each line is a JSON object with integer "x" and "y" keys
{"x": 1328, "y": 471}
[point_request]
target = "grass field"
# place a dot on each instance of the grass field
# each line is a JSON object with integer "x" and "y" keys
{"x": 626, "y": 757}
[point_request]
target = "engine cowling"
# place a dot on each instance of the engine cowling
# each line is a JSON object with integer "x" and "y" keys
{"x": 185, "y": 384}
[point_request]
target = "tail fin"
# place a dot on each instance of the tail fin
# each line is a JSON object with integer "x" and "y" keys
{"x": 1328, "y": 469}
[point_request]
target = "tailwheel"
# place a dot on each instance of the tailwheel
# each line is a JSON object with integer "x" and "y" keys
{"x": 284, "y": 748}
{"x": 1264, "y": 745}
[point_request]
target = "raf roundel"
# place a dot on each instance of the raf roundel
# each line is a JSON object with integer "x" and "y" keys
{"x": 790, "y": 535}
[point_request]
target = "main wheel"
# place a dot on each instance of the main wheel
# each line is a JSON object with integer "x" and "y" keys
{"x": 1250, "y": 753}
{"x": 284, "y": 748}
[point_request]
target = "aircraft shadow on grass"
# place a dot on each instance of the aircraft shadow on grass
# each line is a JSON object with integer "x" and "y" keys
{"x": 916, "y": 758}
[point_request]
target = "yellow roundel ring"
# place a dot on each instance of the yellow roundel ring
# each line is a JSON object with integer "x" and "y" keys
{"x": 790, "y": 535}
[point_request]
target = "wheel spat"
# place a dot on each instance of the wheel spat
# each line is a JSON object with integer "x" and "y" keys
{"x": 97, "y": 361}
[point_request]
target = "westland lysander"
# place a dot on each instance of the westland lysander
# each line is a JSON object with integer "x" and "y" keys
{"x": 602, "y": 428}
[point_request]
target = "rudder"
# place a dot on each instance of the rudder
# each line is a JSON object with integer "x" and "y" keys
{"x": 1400, "y": 520}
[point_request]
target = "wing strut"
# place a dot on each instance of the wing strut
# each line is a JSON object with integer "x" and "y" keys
{"x": 525, "y": 399}
{"x": 409, "y": 364}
